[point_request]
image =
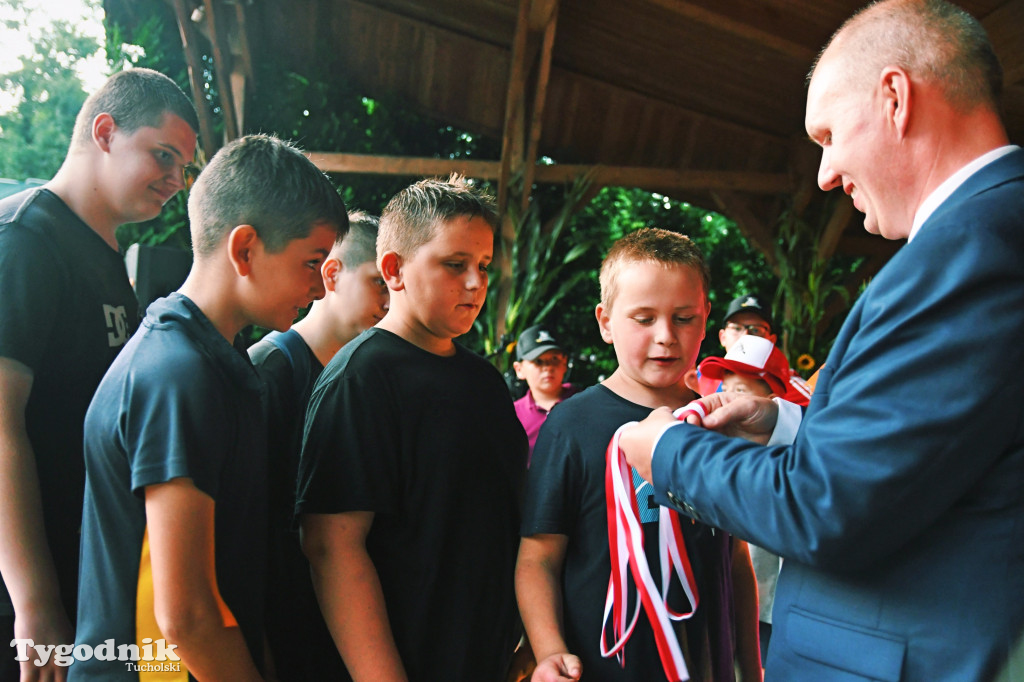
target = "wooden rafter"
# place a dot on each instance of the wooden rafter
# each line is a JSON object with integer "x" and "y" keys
{"x": 193, "y": 61}
{"x": 222, "y": 69}
{"x": 546, "y": 16}
{"x": 655, "y": 179}
{"x": 752, "y": 227}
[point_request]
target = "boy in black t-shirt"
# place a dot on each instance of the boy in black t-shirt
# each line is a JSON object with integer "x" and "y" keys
{"x": 653, "y": 310}
{"x": 66, "y": 310}
{"x": 356, "y": 298}
{"x": 174, "y": 530}
{"x": 413, "y": 459}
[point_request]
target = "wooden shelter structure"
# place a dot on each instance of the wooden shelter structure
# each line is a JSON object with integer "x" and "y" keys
{"x": 701, "y": 100}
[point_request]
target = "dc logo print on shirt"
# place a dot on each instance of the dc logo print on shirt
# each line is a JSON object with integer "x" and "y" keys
{"x": 117, "y": 325}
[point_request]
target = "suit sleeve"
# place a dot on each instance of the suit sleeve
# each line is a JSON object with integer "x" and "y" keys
{"x": 917, "y": 413}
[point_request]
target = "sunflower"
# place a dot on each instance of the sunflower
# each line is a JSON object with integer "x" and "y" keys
{"x": 805, "y": 362}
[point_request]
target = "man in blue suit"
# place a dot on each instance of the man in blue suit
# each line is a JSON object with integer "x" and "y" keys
{"x": 897, "y": 499}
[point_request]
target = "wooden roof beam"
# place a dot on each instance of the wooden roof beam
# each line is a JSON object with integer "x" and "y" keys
{"x": 655, "y": 179}
{"x": 222, "y": 62}
{"x": 193, "y": 63}
{"x": 548, "y": 14}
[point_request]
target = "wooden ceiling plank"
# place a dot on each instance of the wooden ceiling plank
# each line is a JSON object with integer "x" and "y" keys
{"x": 747, "y": 31}
{"x": 1005, "y": 27}
{"x": 244, "y": 51}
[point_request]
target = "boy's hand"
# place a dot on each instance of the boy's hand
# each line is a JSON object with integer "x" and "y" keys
{"x": 558, "y": 667}
{"x": 52, "y": 628}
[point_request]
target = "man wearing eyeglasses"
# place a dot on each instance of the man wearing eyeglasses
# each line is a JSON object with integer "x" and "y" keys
{"x": 748, "y": 315}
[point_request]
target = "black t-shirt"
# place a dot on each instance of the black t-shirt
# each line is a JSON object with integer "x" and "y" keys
{"x": 299, "y": 640}
{"x": 432, "y": 446}
{"x": 565, "y": 495}
{"x": 66, "y": 310}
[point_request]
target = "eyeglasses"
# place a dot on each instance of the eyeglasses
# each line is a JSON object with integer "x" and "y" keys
{"x": 555, "y": 362}
{"x": 752, "y": 329}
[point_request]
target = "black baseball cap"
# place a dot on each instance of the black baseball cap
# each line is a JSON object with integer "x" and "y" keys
{"x": 749, "y": 304}
{"x": 536, "y": 341}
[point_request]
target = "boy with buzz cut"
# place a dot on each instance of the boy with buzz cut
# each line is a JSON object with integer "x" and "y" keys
{"x": 355, "y": 299}
{"x": 175, "y": 445}
{"x": 413, "y": 459}
{"x": 653, "y": 310}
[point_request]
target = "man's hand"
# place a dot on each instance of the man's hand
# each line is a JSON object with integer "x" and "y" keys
{"x": 740, "y": 415}
{"x": 637, "y": 442}
{"x": 558, "y": 668}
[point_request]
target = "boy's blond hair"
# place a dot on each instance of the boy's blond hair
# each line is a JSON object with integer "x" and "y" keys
{"x": 411, "y": 218}
{"x": 650, "y": 245}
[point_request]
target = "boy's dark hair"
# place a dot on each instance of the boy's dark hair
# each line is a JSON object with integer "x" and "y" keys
{"x": 265, "y": 182}
{"x": 411, "y": 217}
{"x": 650, "y": 245}
{"x": 134, "y": 98}
{"x": 360, "y": 244}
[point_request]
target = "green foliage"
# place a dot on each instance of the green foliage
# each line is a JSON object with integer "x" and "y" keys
{"x": 808, "y": 285}
{"x": 545, "y": 272}
{"x": 47, "y": 94}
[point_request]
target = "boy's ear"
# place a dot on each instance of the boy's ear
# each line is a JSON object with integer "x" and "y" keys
{"x": 103, "y": 127}
{"x": 241, "y": 243}
{"x": 391, "y": 270}
{"x": 330, "y": 270}
{"x": 518, "y": 367}
{"x": 603, "y": 321}
{"x": 690, "y": 380}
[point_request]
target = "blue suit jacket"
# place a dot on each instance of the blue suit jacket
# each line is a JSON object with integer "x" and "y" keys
{"x": 900, "y": 506}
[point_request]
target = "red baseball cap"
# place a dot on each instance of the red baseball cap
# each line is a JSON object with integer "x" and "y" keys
{"x": 752, "y": 355}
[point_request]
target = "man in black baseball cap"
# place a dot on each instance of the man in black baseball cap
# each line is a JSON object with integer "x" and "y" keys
{"x": 746, "y": 315}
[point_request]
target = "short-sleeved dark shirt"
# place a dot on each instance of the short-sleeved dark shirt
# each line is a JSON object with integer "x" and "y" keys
{"x": 180, "y": 401}
{"x": 433, "y": 447}
{"x": 565, "y": 495}
{"x": 297, "y": 636}
{"x": 66, "y": 310}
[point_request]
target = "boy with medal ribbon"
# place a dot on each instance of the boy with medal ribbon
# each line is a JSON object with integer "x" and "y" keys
{"x": 582, "y": 517}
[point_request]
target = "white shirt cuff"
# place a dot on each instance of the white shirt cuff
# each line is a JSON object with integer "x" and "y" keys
{"x": 787, "y": 424}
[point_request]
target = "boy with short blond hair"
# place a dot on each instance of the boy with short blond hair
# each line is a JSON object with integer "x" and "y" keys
{"x": 290, "y": 362}
{"x": 175, "y": 444}
{"x": 653, "y": 311}
{"x": 413, "y": 459}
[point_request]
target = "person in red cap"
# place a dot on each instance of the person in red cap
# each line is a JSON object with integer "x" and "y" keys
{"x": 753, "y": 365}
{"x": 756, "y": 366}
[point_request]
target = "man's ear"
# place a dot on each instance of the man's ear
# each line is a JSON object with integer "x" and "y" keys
{"x": 391, "y": 270}
{"x": 103, "y": 128}
{"x": 603, "y": 319}
{"x": 897, "y": 97}
{"x": 330, "y": 270}
{"x": 242, "y": 242}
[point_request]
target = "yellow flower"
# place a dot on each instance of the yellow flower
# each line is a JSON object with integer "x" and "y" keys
{"x": 805, "y": 362}
{"x": 510, "y": 347}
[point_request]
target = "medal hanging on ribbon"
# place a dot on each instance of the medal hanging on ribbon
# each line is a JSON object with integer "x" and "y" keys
{"x": 626, "y": 545}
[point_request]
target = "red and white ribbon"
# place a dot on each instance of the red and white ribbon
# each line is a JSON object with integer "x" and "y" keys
{"x": 626, "y": 544}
